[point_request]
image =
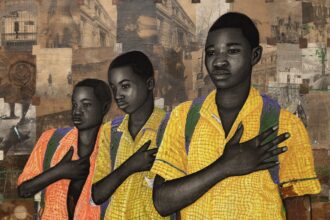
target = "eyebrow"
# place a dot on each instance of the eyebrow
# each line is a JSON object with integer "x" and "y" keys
{"x": 124, "y": 80}
{"x": 86, "y": 99}
{"x": 233, "y": 44}
{"x": 228, "y": 45}
{"x": 209, "y": 46}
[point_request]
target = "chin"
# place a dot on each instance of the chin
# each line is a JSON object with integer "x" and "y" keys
{"x": 79, "y": 126}
{"x": 223, "y": 84}
{"x": 129, "y": 110}
{"x": 126, "y": 111}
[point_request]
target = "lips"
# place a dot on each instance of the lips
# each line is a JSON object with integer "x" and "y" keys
{"x": 77, "y": 121}
{"x": 122, "y": 104}
{"x": 220, "y": 74}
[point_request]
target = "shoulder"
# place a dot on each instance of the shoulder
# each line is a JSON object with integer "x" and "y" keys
{"x": 182, "y": 109}
{"x": 46, "y": 135}
{"x": 291, "y": 123}
{"x": 288, "y": 119}
{"x": 106, "y": 126}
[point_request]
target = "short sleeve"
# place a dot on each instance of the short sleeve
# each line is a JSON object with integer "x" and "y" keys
{"x": 171, "y": 159}
{"x": 103, "y": 160}
{"x": 297, "y": 173}
{"x": 34, "y": 165}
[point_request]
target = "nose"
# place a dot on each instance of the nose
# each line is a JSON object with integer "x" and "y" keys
{"x": 77, "y": 111}
{"x": 220, "y": 62}
{"x": 118, "y": 95}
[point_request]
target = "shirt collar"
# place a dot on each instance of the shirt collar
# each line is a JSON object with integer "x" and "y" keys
{"x": 209, "y": 106}
{"x": 209, "y": 110}
{"x": 152, "y": 123}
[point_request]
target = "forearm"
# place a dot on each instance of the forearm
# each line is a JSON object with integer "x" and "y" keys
{"x": 171, "y": 196}
{"x": 298, "y": 208}
{"x": 30, "y": 187}
{"x": 104, "y": 188}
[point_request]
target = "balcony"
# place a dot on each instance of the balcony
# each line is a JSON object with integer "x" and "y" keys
{"x": 19, "y": 42}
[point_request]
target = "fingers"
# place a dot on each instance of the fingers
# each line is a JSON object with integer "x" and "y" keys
{"x": 264, "y": 166}
{"x": 153, "y": 151}
{"x": 279, "y": 139}
{"x": 68, "y": 155}
{"x": 144, "y": 146}
{"x": 264, "y": 135}
{"x": 270, "y": 154}
{"x": 237, "y": 136}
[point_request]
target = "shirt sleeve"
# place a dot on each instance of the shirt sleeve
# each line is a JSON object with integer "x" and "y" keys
{"x": 34, "y": 165}
{"x": 297, "y": 173}
{"x": 103, "y": 160}
{"x": 171, "y": 159}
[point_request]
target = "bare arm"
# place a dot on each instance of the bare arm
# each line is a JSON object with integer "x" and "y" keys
{"x": 34, "y": 185}
{"x": 237, "y": 159}
{"x": 142, "y": 160}
{"x": 298, "y": 208}
{"x": 65, "y": 169}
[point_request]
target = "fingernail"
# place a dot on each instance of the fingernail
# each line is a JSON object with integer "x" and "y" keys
{"x": 287, "y": 135}
{"x": 240, "y": 125}
{"x": 275, "y": 127}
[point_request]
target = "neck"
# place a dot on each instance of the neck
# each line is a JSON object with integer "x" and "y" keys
{"x": 87, "y": 138}
{"x": 142, "y": 114}
{"x": 232, "y": 99}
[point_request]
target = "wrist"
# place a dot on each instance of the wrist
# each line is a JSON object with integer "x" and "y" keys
{"x": 129, "y": 168}
{"x": 59, "y": 172}
{"x": 222, "y": 169}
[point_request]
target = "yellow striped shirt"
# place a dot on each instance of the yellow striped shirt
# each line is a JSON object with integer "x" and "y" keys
{"x": 253, "y": 196}
{"x": 133, "y": 198}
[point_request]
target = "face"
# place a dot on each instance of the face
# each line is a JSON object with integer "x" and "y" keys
{"x": 87, "y": 111}
{"x": 228, "y": 57}
{"x": 129, "y": 89}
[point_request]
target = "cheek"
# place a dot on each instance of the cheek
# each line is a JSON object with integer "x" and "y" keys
{"x": 239, "y": 63}
{"x": 94, "y": 112}
{"x": 208, "y": 63}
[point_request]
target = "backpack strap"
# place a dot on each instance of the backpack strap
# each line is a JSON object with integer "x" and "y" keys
{"x": 192, "y": 119}
{"x": 52, "y": 146}
{"x": 269, "y": 117}
{"x": 115, "y": 139}
{"x": 161, "y": 129}
{"x": 114, "y": 144}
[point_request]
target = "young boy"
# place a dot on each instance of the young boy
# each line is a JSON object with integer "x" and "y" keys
{"x": 62, "y": 162}
{"x": 232, "y": 133}
{"x": 123, "y": 182}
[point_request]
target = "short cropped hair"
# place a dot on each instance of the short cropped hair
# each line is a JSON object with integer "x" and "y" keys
{"x": 241, "y": 21}
{"x": 101, "y": 89}
{"x": 138, "y": 61}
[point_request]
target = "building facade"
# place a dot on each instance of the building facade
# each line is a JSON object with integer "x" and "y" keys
{"x": 165, "y": 32}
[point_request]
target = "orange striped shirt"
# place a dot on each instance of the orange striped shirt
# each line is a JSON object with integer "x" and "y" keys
{"x": 56, "y": 193}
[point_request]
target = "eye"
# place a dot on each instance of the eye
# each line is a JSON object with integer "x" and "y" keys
{"x": 233, "y": 51}
{"x": 125, "y": 86}
{"x": 86, "y": 105}
{"x": 113, "y": 89}
{"x": 210, "y": 53}
{"x": 74, "y": 105}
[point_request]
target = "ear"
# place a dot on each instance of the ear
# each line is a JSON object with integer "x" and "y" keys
{"x": 256, "y": 55}
{"x": 106, "y": 108}
{"x": 150, "y": 83}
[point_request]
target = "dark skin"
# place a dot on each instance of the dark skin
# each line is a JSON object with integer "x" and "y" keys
{"x": 87, "y": 114}
{"x": 229, "y": 60}
{"x": 134, "y": 96}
